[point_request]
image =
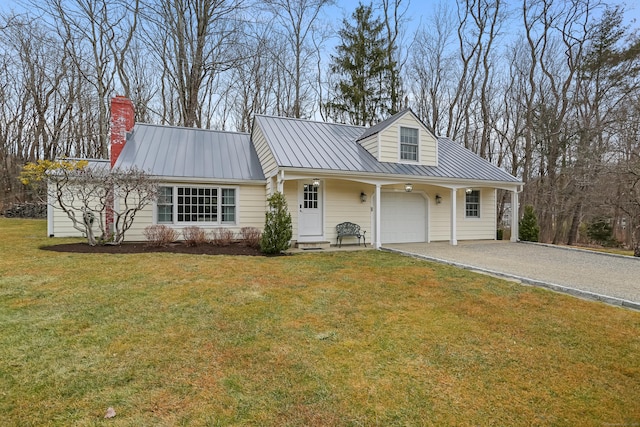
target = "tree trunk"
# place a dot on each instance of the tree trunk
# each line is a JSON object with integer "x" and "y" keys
{"x": 575, "y": 223}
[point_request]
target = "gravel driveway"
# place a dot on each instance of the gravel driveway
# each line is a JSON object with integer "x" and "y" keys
{"x": 613, "y": 279}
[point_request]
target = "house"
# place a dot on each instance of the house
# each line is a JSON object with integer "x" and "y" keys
{"x": 396, "y": 179}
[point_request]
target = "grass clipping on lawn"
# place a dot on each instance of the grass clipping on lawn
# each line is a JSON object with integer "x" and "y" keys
{"x": 358, "y": 338}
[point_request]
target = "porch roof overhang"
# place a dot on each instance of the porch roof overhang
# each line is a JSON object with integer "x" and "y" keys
{"x": 394, "y": 179}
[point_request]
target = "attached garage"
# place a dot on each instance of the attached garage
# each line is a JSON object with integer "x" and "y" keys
{"x": 403, "y": 217}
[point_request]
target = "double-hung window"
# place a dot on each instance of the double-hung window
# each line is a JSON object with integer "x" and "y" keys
{"x": 472, "y": 204}
{"x": 165, "y": 204}
{"x": 228, "y": 205}
{"x": 409, "y": 144}
{"x": 194, "y": 204}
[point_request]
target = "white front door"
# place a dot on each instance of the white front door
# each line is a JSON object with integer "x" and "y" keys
{"x": 310, "y": 224}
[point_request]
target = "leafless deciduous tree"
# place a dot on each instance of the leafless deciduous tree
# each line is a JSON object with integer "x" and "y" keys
{"x": 193, "y": 41}
{"x": 86, "y": 193}
{"x": 298, "y": 24}
{"x": 433, "y": 67}
{"x": 394, "y": 17}
{"x": 96, "y": 35}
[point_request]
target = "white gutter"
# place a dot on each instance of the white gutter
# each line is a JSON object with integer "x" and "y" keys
{"x": 201, "y": 180}
{"x": 391, "y": 178}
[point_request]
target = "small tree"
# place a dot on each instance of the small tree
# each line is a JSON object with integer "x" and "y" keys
{"x": 528, "y": 228}
{"x": 277, "y": 233}
{"x": 86, "y": 195}
{"x": 627, "y": 198}
{"x": 600, "y": 231}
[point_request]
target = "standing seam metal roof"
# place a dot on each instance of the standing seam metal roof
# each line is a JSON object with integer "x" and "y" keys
{"x": 300, "y": 143}
{"x": 205, "y": 154}
{"x": 191, "y": 153}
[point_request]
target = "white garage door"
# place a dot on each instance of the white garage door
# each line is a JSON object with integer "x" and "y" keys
{"x": 403, "y": 218}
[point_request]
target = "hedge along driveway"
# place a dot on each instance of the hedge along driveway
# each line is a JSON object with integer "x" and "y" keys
{"x": 611, "y": 278}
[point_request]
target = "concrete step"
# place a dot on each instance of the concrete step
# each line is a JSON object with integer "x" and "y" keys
{"x": 313, "y": 245}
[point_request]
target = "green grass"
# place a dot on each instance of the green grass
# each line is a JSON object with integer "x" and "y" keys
{"x": 616, "y": 251}
{"x": 359, "y": 338}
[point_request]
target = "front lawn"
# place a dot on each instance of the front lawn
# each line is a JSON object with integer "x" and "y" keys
{"x": 348, "y": 338}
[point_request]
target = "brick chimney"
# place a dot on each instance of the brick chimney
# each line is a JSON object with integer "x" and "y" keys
{"x": 122, "y": 121}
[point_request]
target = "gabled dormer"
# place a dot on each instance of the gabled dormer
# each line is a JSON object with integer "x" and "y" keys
{"x": 402, "y": 138}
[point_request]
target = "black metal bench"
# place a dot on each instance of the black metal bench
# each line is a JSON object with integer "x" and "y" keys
{"x": 349, "y": 229}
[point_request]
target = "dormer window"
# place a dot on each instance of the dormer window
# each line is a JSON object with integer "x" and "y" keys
{"x": 409, "y": 144}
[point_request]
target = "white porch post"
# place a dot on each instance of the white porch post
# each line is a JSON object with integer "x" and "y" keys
{"x": 377, "y": 242}
{"x": 281, "y": 181}
{"x": 514, "y": 215}
{"x": 454, "y": 238}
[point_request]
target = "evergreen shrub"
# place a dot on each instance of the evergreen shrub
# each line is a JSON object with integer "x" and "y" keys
{"x": 278, "y": 231}
{"x": 528, "y": 229}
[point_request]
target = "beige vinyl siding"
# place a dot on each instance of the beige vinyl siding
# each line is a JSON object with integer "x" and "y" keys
{"x": 290, "y": 190}
{"x": 477, "y": 228}
{"x": 267, "y": 161}
{"x": 250, "y": 209}
{"x": 342, "y": 204}
{"x": 63, "y": 226}
{"x": 371, "y": 145}
{"x": 142, "y": 219}
{"x": 253, "y": 205}
{"x": 390, "y": 142}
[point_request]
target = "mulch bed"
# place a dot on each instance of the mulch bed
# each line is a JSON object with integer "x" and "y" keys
{"x": 138, "y": 248}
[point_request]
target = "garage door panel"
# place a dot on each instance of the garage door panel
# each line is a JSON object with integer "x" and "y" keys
{"x": 403, "y": 218}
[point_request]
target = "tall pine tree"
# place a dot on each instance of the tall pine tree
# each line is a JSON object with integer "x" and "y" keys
{"x": 361, "y": 91}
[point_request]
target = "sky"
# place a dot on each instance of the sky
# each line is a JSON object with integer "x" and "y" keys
{"x": 417, "y": 10}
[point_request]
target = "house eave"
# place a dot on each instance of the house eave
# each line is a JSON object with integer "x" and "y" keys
{"x": 440, "y": 181}
{"x": 211, "y": 180}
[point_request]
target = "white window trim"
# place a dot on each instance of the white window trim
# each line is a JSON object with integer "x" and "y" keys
{"x": 156, "y": 205}
{"x": 218, "y": 223}
{"x": 479, "y": 207}
{"x": 400, "y": 159}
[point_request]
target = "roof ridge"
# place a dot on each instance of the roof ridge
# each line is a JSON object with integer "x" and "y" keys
{"x": 269, "y": 116}
{"x": 89, "y": 159}
{"x": 193, "y": 128}
{"x": 372, "y": 130}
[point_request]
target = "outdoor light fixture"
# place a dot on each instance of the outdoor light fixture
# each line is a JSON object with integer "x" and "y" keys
{"x": 408, "y": 188}
{"x": 468, "y": 190}
{"x": 438, "y": 199}
{"x": 363, "y": 197}
{"x": 316, "y": 182}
